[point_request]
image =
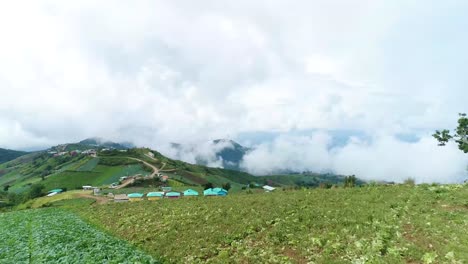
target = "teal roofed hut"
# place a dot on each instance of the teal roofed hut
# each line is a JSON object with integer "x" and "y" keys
{"x": 155, "y": 195}
{"x": 190, "y": 193}
{"x": 135, "y": 197}
{"x": 215, "y": 192}
{"x": 173, "y": 195}
{"x": 55, "y": 191}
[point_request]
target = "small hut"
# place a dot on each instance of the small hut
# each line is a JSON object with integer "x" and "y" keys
{"x": 215, "y": 192}
{"x": 190, "y": 193}
{"x": 54, "y": 192}
{"x": 268, "y": 188}
{"x": 173, "y": 195}
{"x": 154, "y": 195}
{"x": 135, "y": 197}
{"x": 120, "y": 198}
{"x": 220, "y": 191}
{"x": 166, "y": 189}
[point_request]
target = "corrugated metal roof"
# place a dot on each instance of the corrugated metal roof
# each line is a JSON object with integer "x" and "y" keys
{"x": 172, "y": 194}
{"x": 135, "y": 195}
{"x": 215, "y": 191}
{"x": 155, "y": 194}
{"x": 190, "y": 192}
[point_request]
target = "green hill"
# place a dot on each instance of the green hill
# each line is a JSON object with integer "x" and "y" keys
{"x": 72, "y": 170}
{"x": 92, "y": 143}
{"x": 8, "y": 154}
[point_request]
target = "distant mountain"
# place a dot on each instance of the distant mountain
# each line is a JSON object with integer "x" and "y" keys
{"x": 8, "y": 154}
{"x": 232, "y": 153}
{"x": 100, "y": 142}
{"x": 229, "y": 152}
{"x": 92, "y": 143}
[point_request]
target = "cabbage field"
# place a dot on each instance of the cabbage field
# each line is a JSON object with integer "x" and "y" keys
{"x": 57, "y": 236}
{"x": 382, "y": 224}
{"x": 371, "y": 224}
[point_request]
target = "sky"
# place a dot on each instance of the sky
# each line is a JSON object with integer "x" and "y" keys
{"x": 278, "y": 75}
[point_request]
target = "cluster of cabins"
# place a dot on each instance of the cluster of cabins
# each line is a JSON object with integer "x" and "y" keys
{"x": 168, "y": 193}
{"x": 90, "y": 152}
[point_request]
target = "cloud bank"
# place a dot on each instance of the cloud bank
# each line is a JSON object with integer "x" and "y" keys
{"x": 203, "y": 152}
{"x": 384, "y": 158}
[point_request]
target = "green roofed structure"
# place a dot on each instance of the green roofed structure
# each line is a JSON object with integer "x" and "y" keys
{"x": 173, "y": 195}
{"x": 215, "y": 192}
{"x": 190, "y": 193}
{"x": 155, "y": 195}
{"x": 55, "y": 191}
{"x": 135, "y": 197}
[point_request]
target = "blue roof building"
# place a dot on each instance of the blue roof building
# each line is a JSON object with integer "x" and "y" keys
{"x": 190, "y": 192}
{"x": 215, "y": 192}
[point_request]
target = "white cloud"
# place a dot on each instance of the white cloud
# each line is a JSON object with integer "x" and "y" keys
{"x": 290, "y": 153}
{"x": 382, "y": 158}
{"x": 204, "y": 152}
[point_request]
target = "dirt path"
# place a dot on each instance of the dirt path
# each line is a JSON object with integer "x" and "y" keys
{"x": 99, "y": 199}
{"x": 163, "y": 164}
{"x": 155, "y": 170}
{"x": 125, "y": 183}
{"x": 153, "y": 175}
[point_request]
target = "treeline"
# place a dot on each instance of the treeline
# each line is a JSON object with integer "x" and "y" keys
{"x": 10, "y": 199}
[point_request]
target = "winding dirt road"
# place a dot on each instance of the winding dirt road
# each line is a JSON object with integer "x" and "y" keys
{"x": 155, "y": 170}
{"x": 153, "y": 175}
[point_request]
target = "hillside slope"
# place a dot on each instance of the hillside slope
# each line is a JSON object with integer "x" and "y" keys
{"x": 8, "y": 154}
{"x": 73, "y": 169}
{"x": 102, "y": 167}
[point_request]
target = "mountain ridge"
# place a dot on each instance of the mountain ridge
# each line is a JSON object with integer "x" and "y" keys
{"x": 10, "y": 154}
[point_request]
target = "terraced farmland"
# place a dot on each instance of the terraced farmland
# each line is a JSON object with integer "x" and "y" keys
{"x": 57, "y": 236}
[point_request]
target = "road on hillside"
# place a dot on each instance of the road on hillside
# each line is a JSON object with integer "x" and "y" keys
{"x": 131, "y": 180}
{"x": 155, "y": 170}
{"x": 125, "y": 183}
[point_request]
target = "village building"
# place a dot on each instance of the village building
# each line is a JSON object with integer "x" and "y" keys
{"x": 166, "y": 189}
{"x": 268, "y": 188}
{"x": 154, "y": 196}
{"x": 134, "y": 197}
{"x": 173, "y": 195}
{"x": 215, "y": 192}
{"x": 54, "y": 192}
{"x": 120, "y": 198}
{"x": 190, "y": 193}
